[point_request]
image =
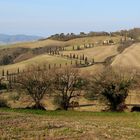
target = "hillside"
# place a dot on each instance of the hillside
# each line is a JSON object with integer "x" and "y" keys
{"x": 23, "y": 51}
{"x": 130, "y": 57}
{"x": 99, "y": 53}
{"x": 85, "y": 40}
{"x": 27, "y": 52}
{"x": 43, "y": 45}
{"x": 41, "y": 59}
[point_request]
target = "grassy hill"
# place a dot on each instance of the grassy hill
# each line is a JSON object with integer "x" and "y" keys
{"x": 41, "y": 59}
{"x": 100, "y": 53}
{"x": 85, "y": 40}
{"x": 130, "y": 57}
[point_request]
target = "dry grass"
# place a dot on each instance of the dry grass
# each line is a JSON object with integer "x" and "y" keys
{"x": 129, "y": 58}
{"x": 99, "y": 53}
{"x": 87, "y": 40}
{"x": 41, "y": 59}
{"x": 91, "y": 70}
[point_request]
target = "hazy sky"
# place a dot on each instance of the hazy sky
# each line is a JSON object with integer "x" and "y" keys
{"x": 45, "y": 17}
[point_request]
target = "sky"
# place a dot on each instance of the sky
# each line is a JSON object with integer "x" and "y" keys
{"x": 47, "y": 17}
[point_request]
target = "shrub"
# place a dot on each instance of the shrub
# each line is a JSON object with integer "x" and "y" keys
{"x": 6, "y": 59}
{"x": 3, "y": 102}
{"x": 3, "y": 86}
{"x": 112, "y": 87}
{"x": 124, "y": 45}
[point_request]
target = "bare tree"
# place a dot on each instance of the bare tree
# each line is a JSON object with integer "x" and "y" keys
{"x": 68, "y": 85}
{"x": 36, "y": 82}
{"x": 113, "y": 87}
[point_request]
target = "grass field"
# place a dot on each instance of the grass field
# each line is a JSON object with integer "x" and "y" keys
{"x": 62, "y": 125}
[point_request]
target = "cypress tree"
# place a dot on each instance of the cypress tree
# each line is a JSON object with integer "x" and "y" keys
{"x": 86, "y": 60}
{"x": 3, "y": 72}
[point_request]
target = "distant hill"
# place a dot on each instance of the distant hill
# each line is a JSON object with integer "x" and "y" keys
{"x": 9, "y": 39}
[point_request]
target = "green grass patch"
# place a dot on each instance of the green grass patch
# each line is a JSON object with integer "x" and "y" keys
{"x": 69, "y": 113}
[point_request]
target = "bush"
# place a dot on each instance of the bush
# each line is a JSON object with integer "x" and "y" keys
{"x": 3, "y": 86}
{"x": 124, "y": 45}
{"x": 6, "y": 59}
{"x": 3, "y": 102}
{"x": 112, "y": 87}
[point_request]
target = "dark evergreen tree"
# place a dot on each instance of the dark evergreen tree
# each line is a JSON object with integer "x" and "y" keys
{"x": 86, "y": 60}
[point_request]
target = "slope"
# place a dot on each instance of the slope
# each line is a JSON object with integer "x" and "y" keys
{"x": 129, "y": 58}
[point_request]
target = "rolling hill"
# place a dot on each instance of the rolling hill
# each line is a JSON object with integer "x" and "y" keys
{"x": 41, "y": 59}
{"x": 100, "y": 53}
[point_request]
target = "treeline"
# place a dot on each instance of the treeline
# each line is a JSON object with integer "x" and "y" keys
{"x": 66, "y": 85}
{"x": 133, "y": 33}
{"x": 69, "y": 36}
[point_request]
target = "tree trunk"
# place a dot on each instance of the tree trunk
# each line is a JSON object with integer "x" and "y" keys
{"x": 65, "y": 105}
{"x": 38, "y": 105}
